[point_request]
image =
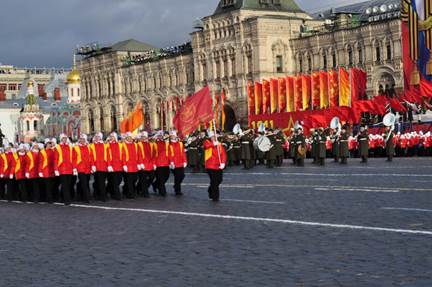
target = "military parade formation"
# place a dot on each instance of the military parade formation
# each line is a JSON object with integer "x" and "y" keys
{"x": 115, "y": 169}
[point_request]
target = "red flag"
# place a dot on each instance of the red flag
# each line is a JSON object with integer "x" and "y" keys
{"x": 397, "y": 106}
{"x": 344, "y": 88}
{"x": 282, "y": 95}
{"x": 273, "y": 96}
{"x": 298, "y": 94}
{"x": 266, "y": 96}
{"x": 137, "y": 118}
{"x": 324, "y": 90}
{"x": 306, "y": 91}
{"x": 216, "y": 109}
{"x": 425, "y": 88}
{"x": 333, "y": 88}
{"x": 316, "y": 88}
{"x": 258, "y": 98}
{"x": 196, "y": 110}
{"x": 251, "y": 99}
{"x": 290, "y": 94}
{"x": 358, "y": 84}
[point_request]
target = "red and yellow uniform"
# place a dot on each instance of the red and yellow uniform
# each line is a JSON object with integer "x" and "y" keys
{"x": 130, "y": 156}
{"x": 63, "y": 161}
{"x": 3, "y": 165}
{"x": 146, "y": 151}
{"x": 82, "y": 159}
{"x": 46, "y": 163}
{"x": 115, "y": 149}
{"x": 162, "y": 157}
{"x": 11, "y": 163}
{"x": 177, "y": 155}
{"x": 101, "y": 156}
{"x": 215, "y": 155}
{"x": 32, "y": 169}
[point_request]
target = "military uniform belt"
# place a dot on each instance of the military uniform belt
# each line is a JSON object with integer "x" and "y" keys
{"x": 245, "y": 142}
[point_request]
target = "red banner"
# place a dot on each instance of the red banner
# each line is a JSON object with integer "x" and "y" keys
{"x": 358, "y": 84}
{"x": 251, "y": 99}
{"x": 282, "y": 92}
{"x": 333, "y": 88}
{"x": 306, "y": 91}
{"x": 344, "y": 88}
{"x": 258, "y": 98}
{"x": 266, "y": 96}
{"x": 298, "y": 100}
{"x": 195, "y": 111}
{"x": 274, "y": 96}
{"x": 316, "y": 89}
{"x": 290, "y": 94}
{"x": 324, "y": 90}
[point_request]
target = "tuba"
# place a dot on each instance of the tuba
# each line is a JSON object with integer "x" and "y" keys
{"x": 237, "y": 130}
{"x": 389, "y": 121}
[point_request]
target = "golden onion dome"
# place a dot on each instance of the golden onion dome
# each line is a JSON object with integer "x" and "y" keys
{"x": 73, "y": 77}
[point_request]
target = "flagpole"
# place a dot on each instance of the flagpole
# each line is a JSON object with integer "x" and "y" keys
{"x": 217, "y": 147}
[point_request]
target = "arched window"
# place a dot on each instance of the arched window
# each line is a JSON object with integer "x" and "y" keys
{"x": 35, "y": 125}
{"x": 102, "y": 121}
{"x": 113, "y": 118}
{"x": 350, "y": 57}
{"x": 360, "y": 54}
{"x": 28, "y": 125}
{"x": 91, "y": 121}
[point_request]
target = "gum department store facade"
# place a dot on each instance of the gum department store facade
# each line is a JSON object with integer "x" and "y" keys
{"x": 244, "y": 40}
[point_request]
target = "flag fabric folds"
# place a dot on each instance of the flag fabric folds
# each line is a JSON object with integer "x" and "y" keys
{"x": 282, "y": 98}
{"x": 358, "y": 85}
{"x": 134, "y": 120}
{"x": 290, "y": 94}
{"x": 324, "y": 90}
{"x": 306, "y": 91}
{"x": 251, "y": 99}
{"x": 298, "y": 100}
{"x": 316, "y": 89}
{"x": 223, "y": 116}
{"x": 258, "y": 98}
{"x": 344, "y": 88}
{"x": 274, "y": 91}
{"x": 196, "y": 110}
{"x": 266, "y": 96}
{"x": 333, "y": 88}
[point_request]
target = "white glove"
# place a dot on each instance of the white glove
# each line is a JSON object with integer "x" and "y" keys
{"x": 93, "y": 169}
{"x": 172, "y": 165}
{"x": 75, "y": 172}
{"x": 125, "y": 168}
{"x": 27, "y": 175}
{"x": 56, "y": 173}
{"x": 40, "y": 174}
{"x": 139, "y": 167}
{"x": 222, "y": 166}
{"x": 142, "y": 166}
{"x": 11, "y": 176}
{"x": 110, "y": 169}
{"x": 154, "y": 167}
{"x": 185, "y": 165}
{"x": 216, "y": 143}
{"x": 1, "y": 175}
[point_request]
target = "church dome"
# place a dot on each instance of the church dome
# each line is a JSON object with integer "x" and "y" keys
{"x": 73, "y": 77}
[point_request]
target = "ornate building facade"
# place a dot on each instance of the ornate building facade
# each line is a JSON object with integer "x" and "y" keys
{"x": 242, "y": 41}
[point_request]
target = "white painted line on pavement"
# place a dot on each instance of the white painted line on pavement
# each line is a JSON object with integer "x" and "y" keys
{"x": 333, "y": 174}
{"x": 255, "y": 201}
{"x": 407, "y": 209}
{"x": 257, "y": 219}
{"x": 357, "y": 189}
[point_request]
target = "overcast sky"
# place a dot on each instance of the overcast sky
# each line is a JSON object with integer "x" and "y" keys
{"x": 44, "y": 33}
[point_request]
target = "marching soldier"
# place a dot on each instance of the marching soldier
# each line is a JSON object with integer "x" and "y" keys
{"x": 146, "y": 173}
{"x": 390, "y": 149}
{"x": 32, "y": 172}
{"x": 279, "y": 148}
{"x": 3, "y": 168}
{"x": 292, "y": 146}
{"x": 130, "y": 165}
{"x": 321, "y": 150}
{"x": 46, "y": 171}
{"x": 247, "y": 151}
{"x": 314, "y": 143}
{"x": 115, "y": 167}
{"x": 343, "y": 146}
{"x": 162, "y": 162}
{"x": 22, "y": 160}
{"x": 215, "y": 162}
{"x": 335, "y": 145}
{"x": 193, "y": 156}
{"x": 9, "y": 173}
{"x": 236, "y": 150}
{"x": 271, "y": 155}
{"x": 300, "y": 147}
{"x": 262, "y": 156}
{"x": 363, "y": 139}
{"x": 177, "y": 158}
{"x": 83, "y": 162}
{"x": 64, "y": 168}
{"x": 101, "y": 160}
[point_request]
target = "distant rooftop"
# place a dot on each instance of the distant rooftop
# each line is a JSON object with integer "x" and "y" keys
{"x": 269, "y": 5}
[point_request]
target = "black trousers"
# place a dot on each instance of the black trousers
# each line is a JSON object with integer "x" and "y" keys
{"x": 12, "y": 189}
{"x": 100, "y": 185}
{"x": 300, "y": 161}
{"x": 3, "y": 188}
{"x": 35, "y": 185}
{"x": 113, "y": 187}
{"x": 145, "y": 179}
{"x": 216, "y": 178}
{"x": 130, "y": 181}
{"x": 83, "y": 187}
{"x": 179, "y": 176}
{"x": 162, "y": 176}
{"x": 66, "y": 187}
{"x": 23, "y": 190}
{"x": 49, "y": 186}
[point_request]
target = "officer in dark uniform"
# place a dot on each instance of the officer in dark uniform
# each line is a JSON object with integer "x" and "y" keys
{"x": 292, "y": 145}
{"x": 271, "y": 154}
{"x": 279, "y": 147}
{"x": 363, "y": 140}
{"x": 193, "y": 157}
{"x": 343, "y": 146}
{"x": 390, "y": 149}
{"x": 228, "y": 146}
{"x": 247, "y": 150}
{"x": 314, "y": 139}
{"x": 300, "y": 147}
{"x": 236, "y": 150}
{"x": 260, "y": 156}
{"x": 321, "y": 151}
{"x": 335, "y": 145}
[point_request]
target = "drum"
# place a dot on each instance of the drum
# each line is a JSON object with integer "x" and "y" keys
{"x": 262, "y": 144}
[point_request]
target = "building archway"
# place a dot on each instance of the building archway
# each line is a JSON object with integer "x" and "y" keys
{"x": 230, "y": 117}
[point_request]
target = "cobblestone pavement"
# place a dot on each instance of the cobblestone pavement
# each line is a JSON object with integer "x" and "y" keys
{"x": 335, "y": 226}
